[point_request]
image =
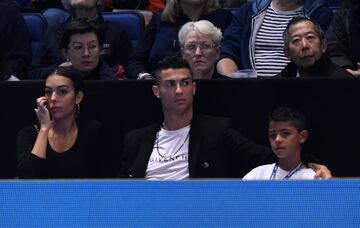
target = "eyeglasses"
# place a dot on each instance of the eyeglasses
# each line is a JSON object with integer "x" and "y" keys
{"x": 79, "y": 49}
{"x": 203, "y": 47}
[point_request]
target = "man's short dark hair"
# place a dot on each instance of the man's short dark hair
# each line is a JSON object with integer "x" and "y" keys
{"x": 296, "y": 20}
{"x": 284, "y": 114}
{"x": 171, "y": 62}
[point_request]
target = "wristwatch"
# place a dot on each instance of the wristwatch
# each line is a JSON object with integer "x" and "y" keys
{"x": 144, "y": 75}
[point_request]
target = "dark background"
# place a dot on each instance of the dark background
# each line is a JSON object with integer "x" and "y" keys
{"x": 330, "y": 106}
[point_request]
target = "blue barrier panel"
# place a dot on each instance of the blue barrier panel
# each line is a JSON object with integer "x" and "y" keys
{"x": 180, "y": 204}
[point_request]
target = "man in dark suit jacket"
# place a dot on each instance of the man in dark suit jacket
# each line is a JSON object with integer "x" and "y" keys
{"x": 187, "y": 145}
{"x": 305, "y": 45}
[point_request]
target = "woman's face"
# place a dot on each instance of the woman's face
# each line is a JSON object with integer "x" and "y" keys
{"x": 83, "y": 51}
{"x": 200, "y": 52}
{"x": 61, "y": 97}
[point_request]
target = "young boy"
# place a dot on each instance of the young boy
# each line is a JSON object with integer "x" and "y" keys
{"x": 286, "y": 134}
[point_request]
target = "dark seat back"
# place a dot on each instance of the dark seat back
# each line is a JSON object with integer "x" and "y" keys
{"x": 36, "y": 25}
{"x": 132, "y": 21}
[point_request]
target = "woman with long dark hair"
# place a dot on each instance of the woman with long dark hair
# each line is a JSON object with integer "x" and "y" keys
{"x": 62, "y": 145}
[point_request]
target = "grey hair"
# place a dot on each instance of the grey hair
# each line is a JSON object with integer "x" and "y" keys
{"x": 318, "y": 30}
{"x": 100, "y": 5}
{"x": 202, "y": 27}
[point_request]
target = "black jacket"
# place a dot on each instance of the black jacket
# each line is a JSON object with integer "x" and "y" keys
{"x": 215, "y": 150}
{"x": 322, "y": 68}
{"x": 343, "y": 37}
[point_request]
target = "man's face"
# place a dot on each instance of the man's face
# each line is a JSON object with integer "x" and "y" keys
{"x": 305, "y": 47}
{"x": 175, "y": 90}
{"x": 285, "y": 139}
{"x": 200, "y": 52}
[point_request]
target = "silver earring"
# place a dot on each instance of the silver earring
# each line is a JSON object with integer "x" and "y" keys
{"x": 78, "y": 110}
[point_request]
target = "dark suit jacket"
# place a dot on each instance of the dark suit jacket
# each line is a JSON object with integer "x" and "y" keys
{"x": 215, "y": 150}
{"x": 322, "y": 68}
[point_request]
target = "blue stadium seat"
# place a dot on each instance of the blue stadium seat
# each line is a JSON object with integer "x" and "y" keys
{"x": 37, "y": 25}
{"x": 232, "y": 10}
{"x": 24, "y": 3}
{"x": 55, "y": 16}
{"x": 132, "y": 21}
{"x": 335, "y": 3}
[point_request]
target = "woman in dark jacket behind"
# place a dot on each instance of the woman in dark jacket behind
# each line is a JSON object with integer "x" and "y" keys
{"x": 81, "y": 46}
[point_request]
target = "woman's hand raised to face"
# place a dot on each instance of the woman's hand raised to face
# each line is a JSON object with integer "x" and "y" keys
{"x": 42, "y": 112}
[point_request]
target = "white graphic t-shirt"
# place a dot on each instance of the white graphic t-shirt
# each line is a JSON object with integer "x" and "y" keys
{"x": 169, "y": 158}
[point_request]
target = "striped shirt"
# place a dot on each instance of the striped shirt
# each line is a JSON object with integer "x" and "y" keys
{"x": 269, "y": 44}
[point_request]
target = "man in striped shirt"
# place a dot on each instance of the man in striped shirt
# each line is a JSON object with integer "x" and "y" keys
{"x": 254, "y": 38}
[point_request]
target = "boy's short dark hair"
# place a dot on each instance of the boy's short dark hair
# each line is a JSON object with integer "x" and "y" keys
{"x": 171, "y": 62}
{"x": 284, "y": 114}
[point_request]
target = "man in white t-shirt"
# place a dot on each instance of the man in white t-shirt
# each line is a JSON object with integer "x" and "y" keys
{"x": 184, "y": 144}
{"x": 287, "y": 133}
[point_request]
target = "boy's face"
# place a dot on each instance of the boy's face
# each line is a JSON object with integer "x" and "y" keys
{"x": 285, "y": 139}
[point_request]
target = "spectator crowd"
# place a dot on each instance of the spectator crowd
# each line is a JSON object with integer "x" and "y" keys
{"x": 183, "y": 41}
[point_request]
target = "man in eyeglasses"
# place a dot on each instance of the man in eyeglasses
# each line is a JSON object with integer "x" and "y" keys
{"x": 184, "y": 144}
{"x": 200, "y": 47}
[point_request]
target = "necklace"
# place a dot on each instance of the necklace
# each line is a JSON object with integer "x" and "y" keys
{"x": 273, "y": 174}
{"x": 169, "y": 156}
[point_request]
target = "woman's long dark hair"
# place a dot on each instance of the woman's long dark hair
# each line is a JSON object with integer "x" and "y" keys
{"x": 71, "y": 73}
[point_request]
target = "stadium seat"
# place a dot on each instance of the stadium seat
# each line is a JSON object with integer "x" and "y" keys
{"x": 55, "y": 16}
{"x": 232, "y": 10}
{"x": 24, "y": 3}
{"x": 37, "y": 25}
{"x": 132, "y": 21}
{"x": 335, "y": 3}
